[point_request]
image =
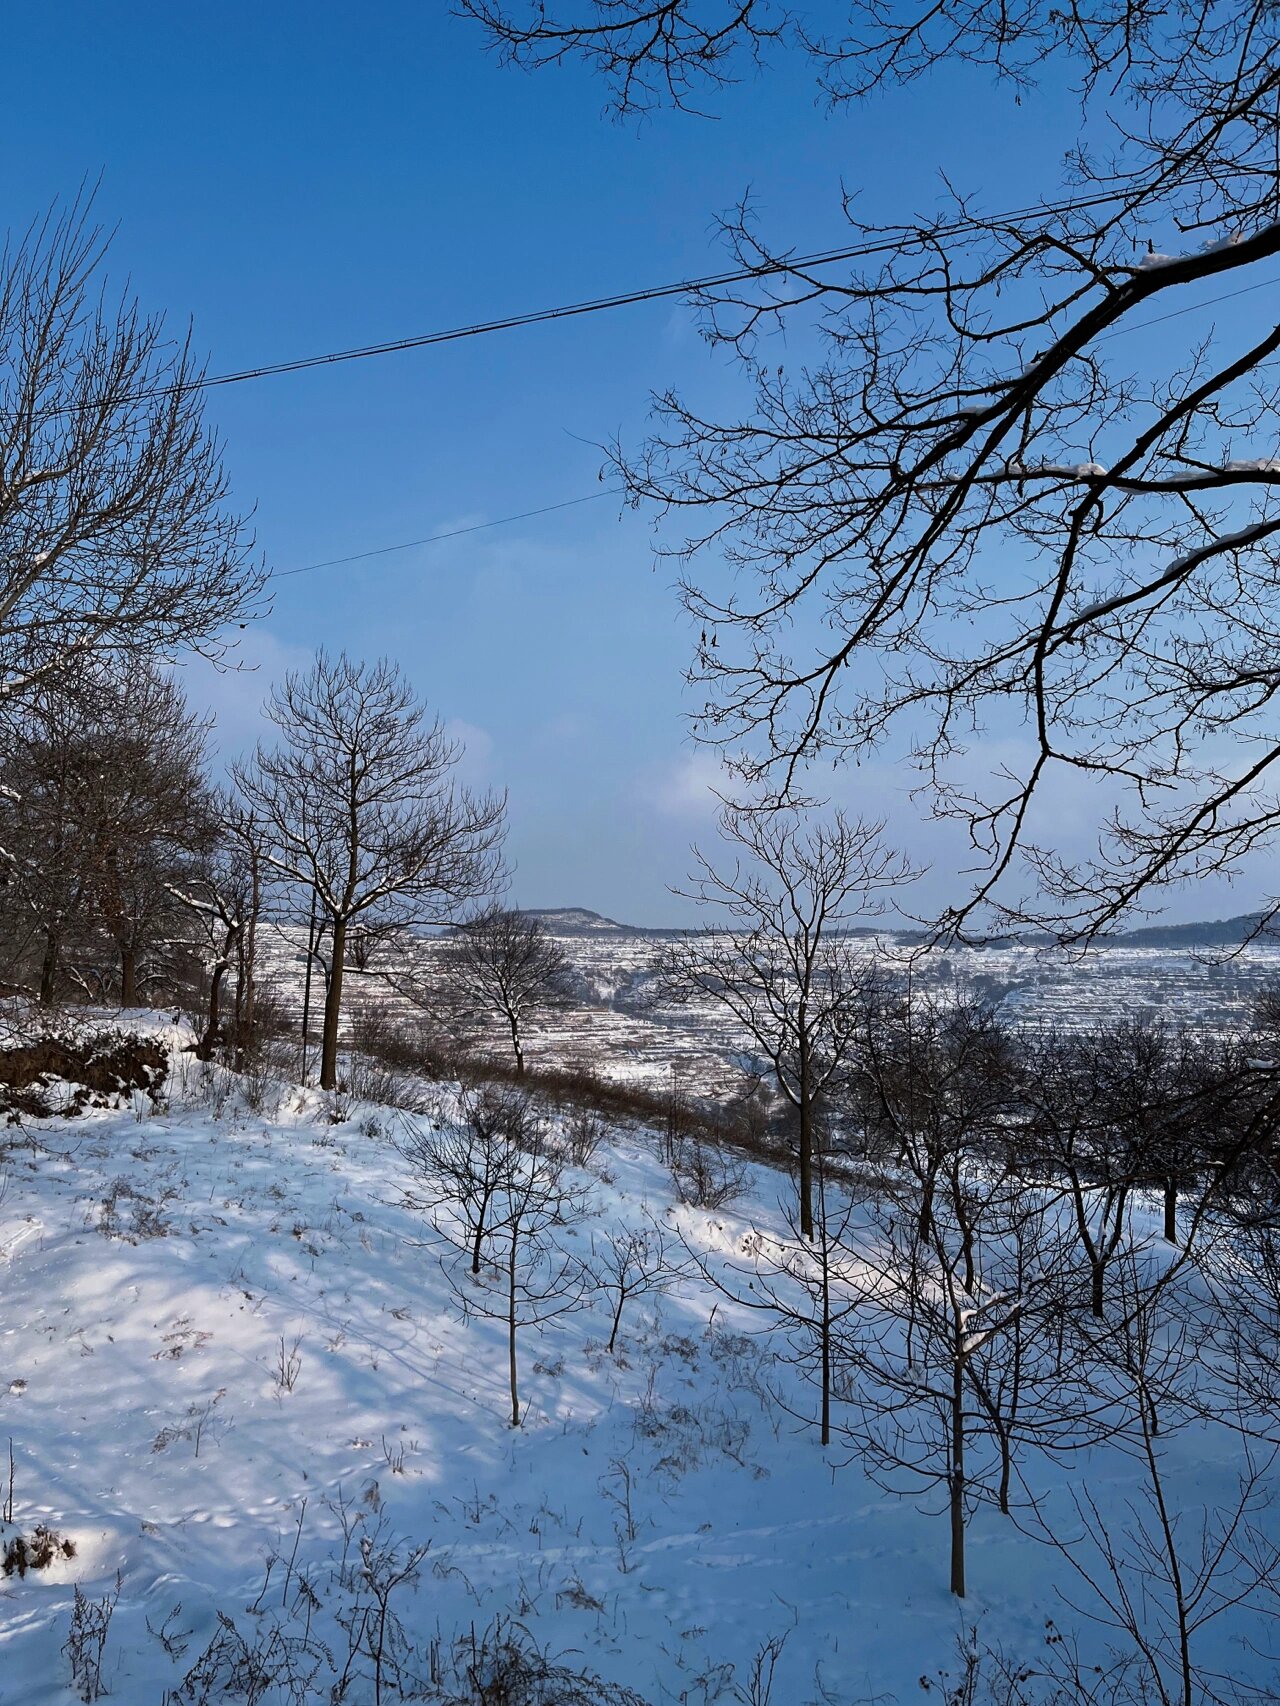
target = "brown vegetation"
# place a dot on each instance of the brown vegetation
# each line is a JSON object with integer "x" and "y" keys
{"x": 103, "y": 1066}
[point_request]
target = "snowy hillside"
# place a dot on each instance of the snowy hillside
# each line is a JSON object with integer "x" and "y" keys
{"x": 231, "y": 1358}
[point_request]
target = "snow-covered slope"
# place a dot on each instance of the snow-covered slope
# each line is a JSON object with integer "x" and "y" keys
{"x": 224, "y": 1340}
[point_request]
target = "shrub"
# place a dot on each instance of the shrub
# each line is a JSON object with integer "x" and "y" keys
{"x": 505, "y": 1667}
{"x": 106, "y": 1066}
{"x": 704, "y": 1176}
{"x": 584, "y": 1132}
{"x": 36, "y": 1551}
{"x": 90, "y": 1621}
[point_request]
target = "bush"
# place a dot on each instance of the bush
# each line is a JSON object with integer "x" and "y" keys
{"x": 249, "y": 1038}
{"x": 584, "y": 1132}
{"x": 36, "y": 1551}
{"x": 376, "y": 1069}
{"x": 90, "y": 1622}
{"x": 506, "y": 1667}
{"x": 106, "y": 1066}
{"x": 704, "y": 1176}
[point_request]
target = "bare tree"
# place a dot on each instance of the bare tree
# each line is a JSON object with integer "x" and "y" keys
{"x": 986, "y": 509}
{"x": 650, "y": 51}
{"x": 515, "y": 1196}
{"x": 1210, "y": 1091}
{"x": 1162, "y": 1569}
{"x": 930, "y": 1082}
{"x": 631, "y": 1263}
{"x": 785, "y": 968}
{"x": 507, "y": 963}
{"x": 116, "y": 542}
{"x": 543, "y": 1280}
{"x": 954, "y": 1353}
{"x": 956, "y": 1349}
{"x": 1240, "y": 1267}
{"x": 906, "y": 1353}
{"x": 358, "y": 808}
{"x": 1160, "y": 1577}
{"x": 223, "y": 892}
{"x": 462, "y": 1167}
{"x": 806, "y": 1286}
{"x": 1085, "y": 1150}
{"x": 1117, "y": 1109}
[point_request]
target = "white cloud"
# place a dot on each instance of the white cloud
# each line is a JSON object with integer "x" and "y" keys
{"x": 475, "y": 766}
{"x": 685, "y": 787}
{"x": 680, "y": 329}
{"x": 234, "y": 695}
{"x": 567, "y": 730}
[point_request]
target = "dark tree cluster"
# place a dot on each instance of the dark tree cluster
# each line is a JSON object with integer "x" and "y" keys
{"x": 106, "y": 817}
{"x": 128, "y": 877}
{"x": 1024, "y": 1244}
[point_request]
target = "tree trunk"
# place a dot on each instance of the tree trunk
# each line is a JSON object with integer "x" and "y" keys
{"x": 204, "y": 1049}
{"x": 1006, "y": 1472}
{"x": 333, "y": 1009}
{"x": 957, "y": 1481}
{"x": 511, "y": 1331}
{"x": 924, "y": 1224}
{"x": 237, "y": 1010}
{"x": 479, "y": 1237}
{"x": 128, "y": 977}
{"x": 966, "y": 1253}
{"x": 515, "y": 1043}
{"x": 49, "y": 969}
{"x": 245, "y": 975}
{"x": 1096, "y": 1300}
{"x": 1171, "y": 1211}
{"x": 806, "y": 1149}
{"x": 826, "y": 1334}
{"x": 251, "y": 945}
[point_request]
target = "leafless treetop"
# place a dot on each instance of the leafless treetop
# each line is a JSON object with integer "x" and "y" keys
{"x": 358, "y": 804}
{"x": 994, "y": 511}
{"x": 116, "y": 538}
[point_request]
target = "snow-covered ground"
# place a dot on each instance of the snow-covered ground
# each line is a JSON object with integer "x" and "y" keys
{"x": 224, "y": 1338}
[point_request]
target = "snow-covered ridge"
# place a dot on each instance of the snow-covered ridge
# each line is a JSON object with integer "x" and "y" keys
{"x": 1198, "y": 933}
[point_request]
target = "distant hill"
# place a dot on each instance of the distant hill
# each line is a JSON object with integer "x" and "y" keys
{"x": 581, "y": 921}
{"x": 1202, "y": 933}
{"x": 576, "y": 920}
{"x": 1210, "y": 933}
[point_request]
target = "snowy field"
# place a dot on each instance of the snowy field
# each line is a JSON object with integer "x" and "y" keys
{"x": 228, "y": 1351}
{"x": 614, "y": 1027}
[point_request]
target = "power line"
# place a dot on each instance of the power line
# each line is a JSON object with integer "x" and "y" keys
{"x": 888, "y": 242}
{"x": 616, "y": 491}
{"x": 1191, "y": 308}
{"x": 454, "y": 533}
{"x": 656, "y": 293}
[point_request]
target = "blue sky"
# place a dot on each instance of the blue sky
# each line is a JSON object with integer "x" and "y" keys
{"x": 298, "y": 178}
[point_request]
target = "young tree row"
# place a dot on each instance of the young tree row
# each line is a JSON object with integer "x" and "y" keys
{"x": 128, "y": 875}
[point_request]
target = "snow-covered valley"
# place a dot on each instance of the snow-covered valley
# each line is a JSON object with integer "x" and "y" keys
{"x": 613, "y": 1025}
